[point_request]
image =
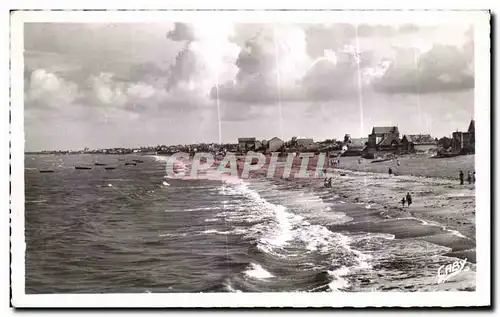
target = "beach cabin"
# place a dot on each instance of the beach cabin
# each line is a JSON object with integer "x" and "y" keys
{"x": 246, "y": 144}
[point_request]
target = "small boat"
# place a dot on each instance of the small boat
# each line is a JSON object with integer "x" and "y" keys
{"x": 138, "y": 161}
{"x": 381, "y": 160}
{"x": 46, "y": 171}
{"x": 109, "y": 168}
{"x": 100, "y": 164}
{"x": 129, "y": 163}
{"x": 83, "y": 168}
{"x": 445, "y": 155}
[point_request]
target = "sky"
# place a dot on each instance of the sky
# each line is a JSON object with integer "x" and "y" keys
{"x": 102, "y": 85}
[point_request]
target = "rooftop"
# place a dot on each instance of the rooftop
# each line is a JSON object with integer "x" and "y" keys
{"x": 246, "y": 139}
{"x": 420, "y": 139}
{"x": 384, "y": 130}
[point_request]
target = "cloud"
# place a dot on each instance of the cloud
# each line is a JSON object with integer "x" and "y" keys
{"x": 331, "y": 78}
{"x": 141, "y": 97}
{"x": 408, "y": 28}
{"x": 274, "y": 65}
{"x": 321, "y": 37}
{"x": 208, "y": 56}
{"x": 377, "y": 30}
{"x": 442, "y": 68}
{"x": 182, "y": 32}
{"x": 245, "y": 63}
{"x": 48, "y": 91}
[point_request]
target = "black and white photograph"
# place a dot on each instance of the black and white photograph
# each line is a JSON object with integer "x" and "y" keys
{"x": 245, "y": 158}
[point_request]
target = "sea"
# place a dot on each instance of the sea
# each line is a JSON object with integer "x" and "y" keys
{"x": 133, "y": 229}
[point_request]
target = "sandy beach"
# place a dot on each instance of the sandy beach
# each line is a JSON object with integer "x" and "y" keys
{"x": 439, "y": 199}
{"x": 414, "y": 165}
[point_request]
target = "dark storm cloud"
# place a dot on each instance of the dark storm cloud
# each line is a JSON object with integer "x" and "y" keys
{"x": 327, "y": 81}
{"x": 443, "y": 68}
{"x": 258, "y": 79}
{"x": 181, "y": 32}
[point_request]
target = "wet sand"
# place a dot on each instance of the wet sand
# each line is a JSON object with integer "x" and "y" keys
{"x": 437, "y": 203}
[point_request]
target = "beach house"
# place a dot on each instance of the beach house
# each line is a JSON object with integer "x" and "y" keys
{"x": 246, "y": 144}
{"x": 464, "y": 142}
{"x": 304, "y": 142}
{"x": 355, "y": 146}
{"x": 384, "y": 138}
{"x": 412, "y": 143}
{"x": 275, "y": 144}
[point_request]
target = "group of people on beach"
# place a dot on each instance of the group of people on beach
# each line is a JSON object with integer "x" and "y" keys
{"x": 335, "y": 162}
{"x": 407, "y": 200}
{"x": 471, "y": 177}
{"x": 328, "y": 182}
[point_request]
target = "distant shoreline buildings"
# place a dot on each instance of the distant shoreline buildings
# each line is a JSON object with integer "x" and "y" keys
{"x": 381, "y": 139}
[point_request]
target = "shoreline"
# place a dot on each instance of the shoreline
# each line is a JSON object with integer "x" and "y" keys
{"x": 442, "y": 212}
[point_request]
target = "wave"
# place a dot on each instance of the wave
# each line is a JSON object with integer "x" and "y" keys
{"x": 433, "y": 224}
{"x": 289, "y": 240}
{"x": 338, "y": 282}
{"x": 256, "y": 271}
{"x": 36, "y": 201}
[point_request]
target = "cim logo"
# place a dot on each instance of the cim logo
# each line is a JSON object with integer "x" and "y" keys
{"x": 447, "y": 271}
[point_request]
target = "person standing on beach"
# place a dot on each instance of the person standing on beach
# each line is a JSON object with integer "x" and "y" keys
{"x": 469, "y": 177}
{"x": 403, "y": 201}
{"x": 408, "y": 199}
{"x": 390, "y": 171}
{"x": 461, "y": 175}
{"x": 397, "y": 163}
{"x": 474, "y": 177}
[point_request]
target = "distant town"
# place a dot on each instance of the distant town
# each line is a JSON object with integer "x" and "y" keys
{"x": 381, "y": 139}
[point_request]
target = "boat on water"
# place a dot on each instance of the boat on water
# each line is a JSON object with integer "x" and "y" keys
{"x": 130, "y": 163}
{"x": 138, "y": 161}
{"x": 381, "y": 160}
{"x": 100, "y": 164}
{"x": 445, "y": 155}
{"x": 46, "y": 171}
{"x": 109, "y": 168}
{"x": 83, "y": 168}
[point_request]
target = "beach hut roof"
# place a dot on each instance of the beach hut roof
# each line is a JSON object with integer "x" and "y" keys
{"x": 276, "y": 138}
